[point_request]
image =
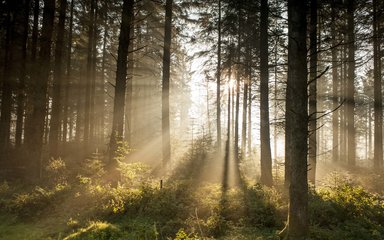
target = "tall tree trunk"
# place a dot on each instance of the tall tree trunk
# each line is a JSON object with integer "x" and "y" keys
{"x": 88, "y": 87}
{"x": 350, "y": 101}
{"x": 237, "y": 107}
{"x": 8, "y": 81}
{"x": 343, "y": 113}
{"x": 218, "y": 76}
{"x": 23, "y": 70}
{"x": 54, "y": 132}
{"x": 378, "y": 98}
{"x": 68, "y": 76}
{"x": 312, "y": 125}
{"x": 265, "y": 157}
{"x": 128, "y": 110}
{"x": 39, "y": 86}
{"x": 93, "y": 116}
{"x": 102, "y": 80}
{"x": 249, "y": 132}
{"x": 117, "y": 133}
{"x": 335, "y": 92}
{"x": 228, "y": 141}
{"x": 244, "y": 118}
{"x": 297, "y": 121}
{"x": 166, "y": 136}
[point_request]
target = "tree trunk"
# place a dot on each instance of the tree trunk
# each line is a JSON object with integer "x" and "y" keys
{"x": 166, "y": 137}
{"x": 265, "y": 157}
{"x": 297, "y": 121}
{"x": 335, "y": 93}
{"x": 88, "y": 87}
{"x": 68, "y": 76}
{"x": 54, "y": 132}
{"x": 350, "y": 101}
{"x": 128, "y": 110}
{"x": 39, "y": 87}
{"x": 378, "y": 99}
{"x": 237, "y": 108}
{"x": 23, "y": 70}
{"x": 8, "y": 79}
{"x": 117, "y": 133}
{"x": 249, "y": 132}
{"x": 312, "y": 125}
{"x": 218, "y": 90}
{"x": 92, "y": 112}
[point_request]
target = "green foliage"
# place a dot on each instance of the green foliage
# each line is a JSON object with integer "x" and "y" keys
{"x": 56, "y": 171}
{"x": 181, "y": 235}
{"x": 262, "y": 203}
{"x": 132, "y": 174}
{"x": 93, "y": 168}
{"x": 346, "y": 211}
{"x": 29, "y": 204}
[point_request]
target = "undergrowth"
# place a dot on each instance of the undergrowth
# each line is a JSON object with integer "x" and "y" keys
{"x": 89, "y": 207}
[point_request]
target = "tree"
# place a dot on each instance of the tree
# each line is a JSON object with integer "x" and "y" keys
{"x": 89, "y": 75}
{"x": 117, "y": 133}
{"x": 335, "y": 86}
{"x": 54, "y": 133}
{"x": 218, "y": 79}
{"x": 312, "y": 125}
{"x": 296, "y": 121}
{"x": 350, "y": 91}
{"x": 34, "y": 130}
{"x": 68, "y": 76}
{"x": 15, "y": 57}
{"x": 378, "y": 98}
{"x": 166, "y": 137}
{"x": 265, "y": 158}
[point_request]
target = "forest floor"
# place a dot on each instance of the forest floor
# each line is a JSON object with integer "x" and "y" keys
{"x": 77, "y": 201}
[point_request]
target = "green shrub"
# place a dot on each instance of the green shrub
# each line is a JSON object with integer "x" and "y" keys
{"x": 29, "y": 204}
{"x": 262, "y": 203}
{"x": 56, "y": 171}
{"x": 346, "y": 211}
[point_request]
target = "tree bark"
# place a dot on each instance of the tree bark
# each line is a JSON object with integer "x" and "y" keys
{"x": 378, "y": 98}
{"x": 297, "y": 121}
{"x": 265, "y": 157}
{"x": 23, "y": 70}
{"x": 9, "y": 80}
{"x": 350, "y": 100}
{"x": 166, "y": 136}
{"x": 312, "y": 125}
{"x": 68, "y": 76}
{"x": 335, "y": 92}
{"x": 39, "y": 87}
{"x": 88, "y": 87}
{"x": 54, "y": 133}
{"x": 117, "y": 133}
{"x": 218, "y": 89}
